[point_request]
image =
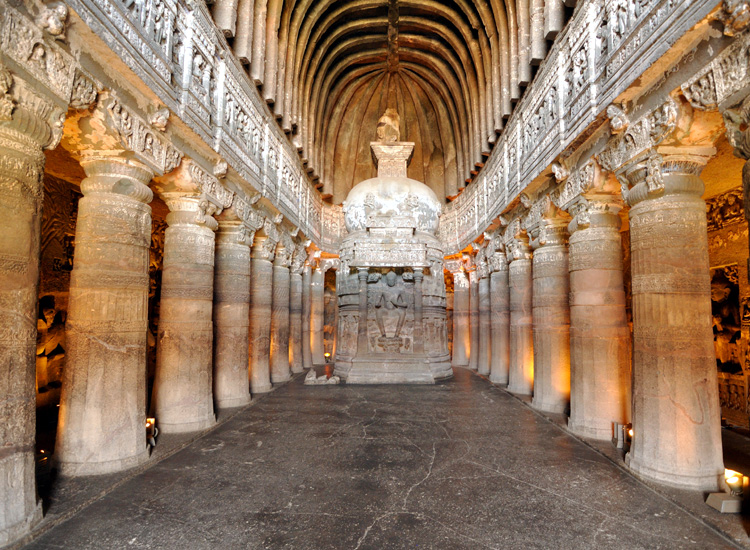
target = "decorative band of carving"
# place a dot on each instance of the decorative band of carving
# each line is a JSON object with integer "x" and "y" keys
{"x": 233, "y": 297}
{"x": 87, "y": 327}
{"x": 553, "y": 300}
{"x": 670, "y": 284}
{"x": 85, "y": 278}
{"x": 685, "y": 333}
{"x": 188, "y": 292}
{"x": 600, "y": 254}
{"x": 185, "y": 327}
{"x": 14, "y": 263}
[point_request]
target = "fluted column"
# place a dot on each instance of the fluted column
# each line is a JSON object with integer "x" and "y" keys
{"x": 261, "y": 296}
{"x": 521, "y": 373}
{"x": 317, "y": 297}
{"x": 295, "y": 311}
{"x": 676, "y": 413}
{"x": 23, "y": 133}
{"x": 461, "y": 329}
{"x": 105, "y": 372}
{"x": 599, "y": 332}
{"x": 231, "y": 314}
{"x": 280, "y": 371}
{"x": 500, "y": 319}
{"x": 485, "y": 329}
{"x": 306, "y": 313}
{"x": 473, "y": 319}
{"x": 183, "y": 386}
{"x": 550, "y": 308}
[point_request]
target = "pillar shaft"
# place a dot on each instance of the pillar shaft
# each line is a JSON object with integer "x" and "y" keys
{"x": 21, "y": 165}
{"x": 473, "y": 320}
{"x": 551, "y": 323}
{"x": 418, "y": 310}
{"x": 485, "y": 329}
{"x": 280, "y": 371}
{"x": 230, "y": 314}
{"x": 306, "y": 303}
{"x": 295, "y": 321}
{"x": 261, "y": 296}
{"x": 676, "y": 413}
{"x": 317, "y": 299}
{"x": 521, "y": 373}
{"x": 103, "y": 401}
{"x": 599, "y": 332}
{"x": 500, "y": 320}
{"x": 362, "y": 348}
{"x": 183, "y": 387}
{"x": 461, "y": 329}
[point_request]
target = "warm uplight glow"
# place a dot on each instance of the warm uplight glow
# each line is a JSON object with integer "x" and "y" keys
{"x": 730, "y": 473}
{"x": 630, "y": 432}
{"x": 150, "y": 422}
{"x": 327, "y": 354}
{"x": 733, "y": 479}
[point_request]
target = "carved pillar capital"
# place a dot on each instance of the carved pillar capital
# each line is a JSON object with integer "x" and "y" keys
{"x": 282, "y": 256}
{"x": 192, "y": 209}
{"x": 591, "y": 197}
{"x": 115, "y": 128}
{"x": 545, "y": 223}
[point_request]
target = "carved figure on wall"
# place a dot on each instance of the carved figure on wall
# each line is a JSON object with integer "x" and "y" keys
{"x": 391, "y": 300}
{"x": 725, "y": 309}
{"x": 50, "y": 345}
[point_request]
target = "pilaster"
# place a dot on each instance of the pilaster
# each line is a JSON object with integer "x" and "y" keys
{"x": 461, "y": 329}
{"x": 499, "y": 312}
{"x": 485, "y": 329}
{"x": 599, "y": 332}
{"x": 676, "y": 415}
{"x": 280, "y": 369}
{"x": 261, "y": 300}
{"x": 547, "y": 225}
{"x": 521, "y": 372}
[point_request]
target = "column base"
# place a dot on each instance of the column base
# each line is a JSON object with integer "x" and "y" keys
{"x": 261, "y": 389}
{"x": 298, "y": 369}
{"x": 590, "y": 432}
{"x": 519, "y": 390}
{"x": 497, "y": 379}
{"x": 550, "y": 407}
{"x": 14, "y": 532}
{"x": 281, "y": 380}
{"x": 80, "y": 469}
{"x": 234, "y": 402}
{"x": 185, "y": 427}
{"x": 708, "y": 481}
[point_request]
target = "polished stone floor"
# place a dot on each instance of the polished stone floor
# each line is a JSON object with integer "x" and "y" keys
{"x": 459, "y": 465}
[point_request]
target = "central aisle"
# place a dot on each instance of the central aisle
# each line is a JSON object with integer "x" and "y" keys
{"x": 460, "y": 465}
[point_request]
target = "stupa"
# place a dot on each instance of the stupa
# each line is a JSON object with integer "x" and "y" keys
{"x": 391, "y": 291}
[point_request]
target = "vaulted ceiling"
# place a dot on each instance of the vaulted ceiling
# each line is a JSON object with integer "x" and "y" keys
{"x": 452, "y": 68}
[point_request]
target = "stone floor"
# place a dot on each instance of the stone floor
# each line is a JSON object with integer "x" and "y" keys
{"x": 458, "y": 465}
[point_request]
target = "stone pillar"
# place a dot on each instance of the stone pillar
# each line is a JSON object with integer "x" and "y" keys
{"x": 676, "y": 413}
{"x": 521, "y": 373}
{"x": 500, "y": 319}
{"x": 183, "y": 387}
{"x": 599, "y": 332}
{"x": 485, "y": 344}
{"x": 317, "y": 300}
{"x": 102, "y": 407}
{"x": 473, "y": 320}
{"x": 418, "y": 332}
{"x": 550, "y": 308}
{"x": 295, "y": 311}
{"x": 280, "y": 371}
{"x": 231, "y": 314}
{"x": 461, "y": 334}
{"x": 362, "y": 322}
{"x": 261, "y": 296}
{"x": 306, "y": 312}
{"x": 23, "y": 134}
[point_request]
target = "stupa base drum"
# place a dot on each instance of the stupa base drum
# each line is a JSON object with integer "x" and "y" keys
{"x": 392, "y": 309}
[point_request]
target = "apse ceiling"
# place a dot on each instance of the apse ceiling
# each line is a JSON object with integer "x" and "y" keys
{"x": 452, "y": 69}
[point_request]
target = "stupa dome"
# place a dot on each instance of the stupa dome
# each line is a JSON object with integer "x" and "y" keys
{"x": 392, "y": 201}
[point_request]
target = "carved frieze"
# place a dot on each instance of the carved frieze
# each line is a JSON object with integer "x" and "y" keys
{"x": 725, "y": 209}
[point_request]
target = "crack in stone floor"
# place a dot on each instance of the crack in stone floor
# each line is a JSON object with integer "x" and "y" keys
{"x": 458, "y": 465}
